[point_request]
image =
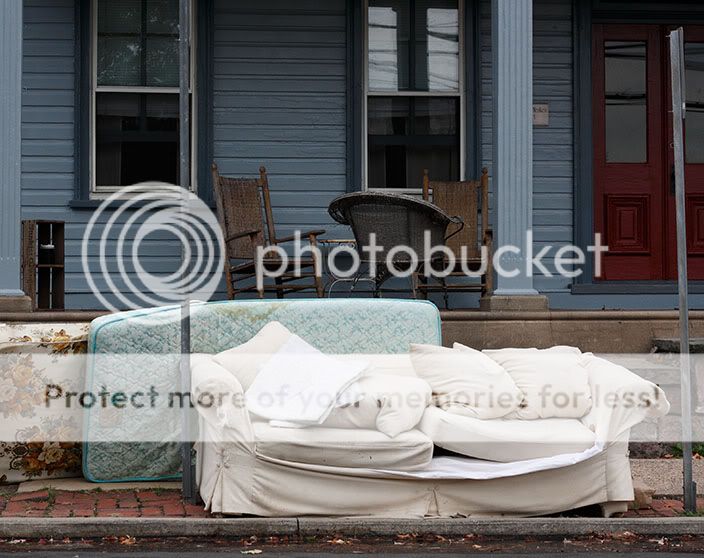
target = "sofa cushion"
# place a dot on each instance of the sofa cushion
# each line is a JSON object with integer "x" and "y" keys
{"x": 466, "y": 382}
{"x": 505, "y": 440}
{"x": 387, "y": 405}
{"x": 555, "y": 382}
{"x": 338, "y": 447}
{"x": 245, "y": 360}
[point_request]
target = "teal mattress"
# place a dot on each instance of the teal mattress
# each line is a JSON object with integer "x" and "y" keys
{"x": 119, "y": 345}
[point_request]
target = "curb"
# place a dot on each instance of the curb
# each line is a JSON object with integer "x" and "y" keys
{"x": 360, "y": 528}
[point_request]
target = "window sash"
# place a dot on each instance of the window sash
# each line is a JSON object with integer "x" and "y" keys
{"x": 101, "y": 191}
{"x": 412, "y": 93}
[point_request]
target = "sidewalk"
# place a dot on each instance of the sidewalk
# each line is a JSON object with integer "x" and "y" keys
{"x": 168, "y": 503}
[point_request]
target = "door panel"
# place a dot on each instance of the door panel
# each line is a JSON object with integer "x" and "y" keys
{"x": 694, "y": 155}
{"x": 634, "y": 200}
{"x": 628, "y": 157}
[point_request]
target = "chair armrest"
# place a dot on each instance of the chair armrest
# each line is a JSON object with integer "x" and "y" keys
{"x": 302, "y": 235}
{"x": 252, "y": 233}
{"x": 456, "y": 220}
{"x": 218, "y": 396}
{"x": 620, "y": 399}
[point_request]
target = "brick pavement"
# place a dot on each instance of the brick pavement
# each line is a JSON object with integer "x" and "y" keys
{"x": 168, "y": 503}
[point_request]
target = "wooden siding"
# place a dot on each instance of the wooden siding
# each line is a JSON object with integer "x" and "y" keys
{"x": 279, "y": 100}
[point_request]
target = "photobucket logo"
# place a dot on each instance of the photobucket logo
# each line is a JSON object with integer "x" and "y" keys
{"x": 117, "y": 242}
{"x": 435, "y": 261}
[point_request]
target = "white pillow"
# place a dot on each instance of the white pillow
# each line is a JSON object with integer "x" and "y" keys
{"x": 301, "y": 384}
{"x": 466, "y": 382}
{"x": 555, "y": 382}
{"x": 387, "y": 405}
{"x": 245, "y": 360}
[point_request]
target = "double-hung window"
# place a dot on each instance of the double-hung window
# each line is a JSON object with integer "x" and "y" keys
{"x": 414, "y": 93}
{"x": 135, "y": 93}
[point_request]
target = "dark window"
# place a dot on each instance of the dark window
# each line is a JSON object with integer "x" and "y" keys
{"x": 694, "y": 120}
{"x": 409, "y": 134}
{"x": 626, "y": 102}
{"x": 413, "y": 47}
{"x": 136, "y": 115}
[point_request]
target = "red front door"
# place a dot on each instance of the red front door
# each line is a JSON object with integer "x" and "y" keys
{"x": 633, "y": 188}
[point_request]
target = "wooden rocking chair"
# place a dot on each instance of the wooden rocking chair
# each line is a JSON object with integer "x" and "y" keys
{"x": 461, "y": 199}
{"x": 246, "y": 218}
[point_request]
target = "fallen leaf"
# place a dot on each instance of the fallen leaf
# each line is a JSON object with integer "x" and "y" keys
{"x": 128, "y": 540}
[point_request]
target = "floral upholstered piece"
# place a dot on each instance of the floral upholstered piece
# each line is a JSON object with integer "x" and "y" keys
{"x": 34, "y": 444}
{"x": 333, "y": 326}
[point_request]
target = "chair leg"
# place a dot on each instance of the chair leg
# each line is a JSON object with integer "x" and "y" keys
{"x": 230, "y": 279}
{"x": 279, "y": 289}
{"x": 319, "y": 287}
{"x": 414, "y": 284}
{"x": 445, "y": 295}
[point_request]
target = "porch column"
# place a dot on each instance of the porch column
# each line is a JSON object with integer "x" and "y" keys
{"x": 512, "y": 152}
{"x": 11, "y": 296}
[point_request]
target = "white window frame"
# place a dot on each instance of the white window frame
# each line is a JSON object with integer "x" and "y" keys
{"x": 459, "y": 94}
{"x": 100, "y": 192}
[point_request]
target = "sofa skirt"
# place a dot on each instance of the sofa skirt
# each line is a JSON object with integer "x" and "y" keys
{"x": 234, "y": 480}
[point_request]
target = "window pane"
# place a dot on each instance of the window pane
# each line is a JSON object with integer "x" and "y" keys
{"x": 162, "y": 62}
{"x": 162, "y": 16}
{"x": 388, "y": 45}
{"x": 694, "y": 120}
{"x": 413, "y": 51}
{"x": 626, "y": 101}
{"x": 136, "y": 138}
{"x": 120, "y": 16}
{"x": 138, "y": 43}
{"x": 119, "y": 61}
{"x": 437, "y": 46}
{"x": 409, "y": 134}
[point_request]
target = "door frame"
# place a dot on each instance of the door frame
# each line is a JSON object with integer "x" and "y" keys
{"x": 584, "y": 14}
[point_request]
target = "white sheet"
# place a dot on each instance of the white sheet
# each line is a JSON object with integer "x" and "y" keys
{"x": 458, "y": 468}
{"x": 447, "y": 467}
{"x": 300, "y": 385}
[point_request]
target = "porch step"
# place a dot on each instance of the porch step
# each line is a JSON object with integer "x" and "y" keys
{"x": 672, "y": 345}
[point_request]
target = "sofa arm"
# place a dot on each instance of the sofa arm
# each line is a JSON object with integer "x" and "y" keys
{"x": 218, "y": 396}
{"x": 620, "y": 399}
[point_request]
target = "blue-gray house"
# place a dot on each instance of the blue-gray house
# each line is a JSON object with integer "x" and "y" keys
{"x": 565, "y": 101}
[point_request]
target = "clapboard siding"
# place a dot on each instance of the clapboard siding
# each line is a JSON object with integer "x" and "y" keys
{"x": 279, "y": 100}
{"x": 48, "y": 149}
{"x": 553, "y": 176}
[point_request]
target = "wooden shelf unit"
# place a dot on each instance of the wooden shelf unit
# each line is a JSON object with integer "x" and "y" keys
{"x": 43, "y": 263}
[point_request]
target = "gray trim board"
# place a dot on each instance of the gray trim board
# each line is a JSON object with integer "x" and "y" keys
{"x": 10, "y": 149}
{"x": 635, "y": 287}
{"x": 582, "y": 143}
{"x": 355, "y": 91}
{"x": 82, "y": 101}
{"x": 473, "y": 94}
{"x": 204, "y": 97}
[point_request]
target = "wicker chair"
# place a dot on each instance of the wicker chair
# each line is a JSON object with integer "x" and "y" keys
{"x": 395, "y": 220}
{"x": 462, "y": 199}
{"x": 245, "y": 215}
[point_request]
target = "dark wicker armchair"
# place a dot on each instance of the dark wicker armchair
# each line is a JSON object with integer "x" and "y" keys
{"x": 395, "y": 220}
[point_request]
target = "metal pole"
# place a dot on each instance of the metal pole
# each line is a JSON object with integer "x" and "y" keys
{"x": 678, "y": 113}
{"x": 184, "y": 73}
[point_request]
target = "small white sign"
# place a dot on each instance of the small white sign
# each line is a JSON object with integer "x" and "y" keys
{"x": 541, "y": 115}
